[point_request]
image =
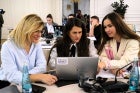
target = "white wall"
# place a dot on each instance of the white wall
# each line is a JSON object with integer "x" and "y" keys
{"x": 81, "y": 4}
{"x": 16, "y": 9}
{"x": 66, "y": 11}
{"x": 102, "y": 7}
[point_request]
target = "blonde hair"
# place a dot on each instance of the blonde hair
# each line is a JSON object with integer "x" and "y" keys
{"x": 29, "y": 24}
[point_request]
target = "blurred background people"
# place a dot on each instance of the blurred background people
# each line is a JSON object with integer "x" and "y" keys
{"x": 71, "y": 16}
{"x": 23, "y": 46}
{"x": 87, "y": 22}
{"x": 95, "y": 30}
{"x": 49, "y": 29}
{"x": 66, "y": 19}
{"x": 79, "y": 14}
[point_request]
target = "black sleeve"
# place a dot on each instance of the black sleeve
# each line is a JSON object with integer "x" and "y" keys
{"x": 1, "y": 20}
{"x": 45, "y": 32}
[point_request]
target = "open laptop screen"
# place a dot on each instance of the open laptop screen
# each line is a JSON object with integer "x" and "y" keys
{"x": 69, "y": 68}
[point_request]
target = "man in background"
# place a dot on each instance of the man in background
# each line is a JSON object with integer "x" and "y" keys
{"x": 95, "y": 30}
{"x": 71, "y": 16}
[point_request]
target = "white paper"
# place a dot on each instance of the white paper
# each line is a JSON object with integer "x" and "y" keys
{"x": 92, "y": 38}
{"x": 105, "y": 74}
{"x": 49, "y": 47}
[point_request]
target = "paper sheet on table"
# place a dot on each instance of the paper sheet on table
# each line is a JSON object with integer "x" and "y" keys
{"x": 105, "y": 74}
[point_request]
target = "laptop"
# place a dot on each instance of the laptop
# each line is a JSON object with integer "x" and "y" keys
{"x": 70, "y": 68}
{"x": 10, "y": 89}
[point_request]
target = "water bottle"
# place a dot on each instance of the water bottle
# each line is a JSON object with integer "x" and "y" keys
{"x": 139, "y": 69}
{"x": 134, "y": 76}
{"x": 26, "y": 85}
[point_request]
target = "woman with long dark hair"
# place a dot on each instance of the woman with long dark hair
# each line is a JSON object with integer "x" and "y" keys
{"x": 74, "y": 34}
{"x": 120, "y": 45}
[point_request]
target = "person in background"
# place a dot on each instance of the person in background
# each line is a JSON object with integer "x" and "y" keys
{"x": 87, "y": 22}
{"x": 79, "y": 14}
{"x": 120, "y": 45}
{"x": 23, "y": 46}
{"x": 95, "y": 30}
{"x": 73, "y": 44}
{"x": 1, "y": 23}
{"x": 66, "y": 19}
{"x": 71, "y": 16}
{"x": 49, "y": 27}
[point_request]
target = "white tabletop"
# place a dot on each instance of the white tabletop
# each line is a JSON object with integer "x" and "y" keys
{"x": 72, "y": 88}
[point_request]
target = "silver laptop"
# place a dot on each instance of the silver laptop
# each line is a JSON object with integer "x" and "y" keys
{"x": 70, "y": 68}
{"x": 10, "y": 89}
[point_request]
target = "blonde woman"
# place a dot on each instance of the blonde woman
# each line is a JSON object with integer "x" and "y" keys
{"x": 23, "y": 46}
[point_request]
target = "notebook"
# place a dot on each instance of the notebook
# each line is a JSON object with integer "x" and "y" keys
{"x": 70, "y": 68}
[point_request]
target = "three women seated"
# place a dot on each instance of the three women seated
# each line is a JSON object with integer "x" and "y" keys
{"x": 120, "y": 45}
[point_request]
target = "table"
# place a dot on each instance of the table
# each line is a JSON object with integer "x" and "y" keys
{"x": 72, "y": 88}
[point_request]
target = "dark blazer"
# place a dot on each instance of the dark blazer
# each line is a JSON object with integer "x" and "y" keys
{"x": 97, "y": 34}
{"x": 45, "y": 31}
{"x": 1, "y": 20}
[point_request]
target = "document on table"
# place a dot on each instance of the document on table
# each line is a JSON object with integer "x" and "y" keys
{"x": 105, "y": 74}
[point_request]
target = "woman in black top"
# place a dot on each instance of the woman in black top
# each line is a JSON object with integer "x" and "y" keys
{"x": 74, "y": 34}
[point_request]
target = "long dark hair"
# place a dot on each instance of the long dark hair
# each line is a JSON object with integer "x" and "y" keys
{"x": 63, "y": 44}
{"x": 121, "y": 27}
